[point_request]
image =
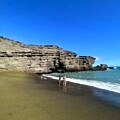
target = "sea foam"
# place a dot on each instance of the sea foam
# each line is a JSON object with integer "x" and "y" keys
{"x": 114, "y": 87}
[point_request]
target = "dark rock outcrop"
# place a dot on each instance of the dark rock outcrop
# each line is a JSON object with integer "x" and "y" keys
{"x": 15, "y": 55}
{"x": 101, "y": 67}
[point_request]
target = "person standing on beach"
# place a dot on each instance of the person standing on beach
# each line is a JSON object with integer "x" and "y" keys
{"x": 64, "y": 81}
{"x": 60, "y": 79}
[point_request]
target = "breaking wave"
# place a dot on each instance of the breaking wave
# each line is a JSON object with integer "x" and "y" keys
{"x": 114, "y": 87}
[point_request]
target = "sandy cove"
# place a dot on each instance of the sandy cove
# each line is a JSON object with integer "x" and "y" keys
{"x": 26, "y": 97}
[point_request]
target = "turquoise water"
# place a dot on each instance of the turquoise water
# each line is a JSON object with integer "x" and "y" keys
{"x": 107, "y": 83}
{"x": 112, "y": 76}
{"x": 108, "y": 80}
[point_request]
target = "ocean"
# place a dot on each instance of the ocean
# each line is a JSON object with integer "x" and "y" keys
{"x": 107, "y": 83}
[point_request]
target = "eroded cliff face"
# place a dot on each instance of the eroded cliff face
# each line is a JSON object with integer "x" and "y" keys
{"x": 15, "y": 55}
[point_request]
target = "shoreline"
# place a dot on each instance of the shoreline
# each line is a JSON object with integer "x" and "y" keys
{"x": 27, "y": 97}
{"x": 115, "y": 88}
{"x": 105, "y": 95}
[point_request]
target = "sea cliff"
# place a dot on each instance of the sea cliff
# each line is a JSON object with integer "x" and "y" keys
{"x": 16, "y": 56}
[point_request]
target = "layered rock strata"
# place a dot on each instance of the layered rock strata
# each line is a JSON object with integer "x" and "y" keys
{"x": 15, "y": 55}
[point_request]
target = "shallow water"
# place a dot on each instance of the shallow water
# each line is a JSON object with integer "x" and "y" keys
{"x": 26, "y": 97}
{"x": 107, "y": 80}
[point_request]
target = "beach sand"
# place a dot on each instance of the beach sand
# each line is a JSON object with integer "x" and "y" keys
{"x": 26, "y": 97}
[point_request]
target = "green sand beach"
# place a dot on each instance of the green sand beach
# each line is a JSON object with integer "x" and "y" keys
{"x": 26, "y": 97}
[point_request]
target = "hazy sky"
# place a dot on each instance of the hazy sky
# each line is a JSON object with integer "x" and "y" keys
{"x": 87, "y": 27}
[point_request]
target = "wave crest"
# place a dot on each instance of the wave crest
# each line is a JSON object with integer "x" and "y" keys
{"x": 114, "y": 87}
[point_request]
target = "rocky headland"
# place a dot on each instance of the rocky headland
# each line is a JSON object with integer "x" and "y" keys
{"x": 16, "y": 56}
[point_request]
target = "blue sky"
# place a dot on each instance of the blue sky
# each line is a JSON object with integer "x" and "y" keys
{"x": 87, "y": 27}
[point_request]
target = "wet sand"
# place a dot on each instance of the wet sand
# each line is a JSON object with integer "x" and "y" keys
{"x": 26, "y": 97}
